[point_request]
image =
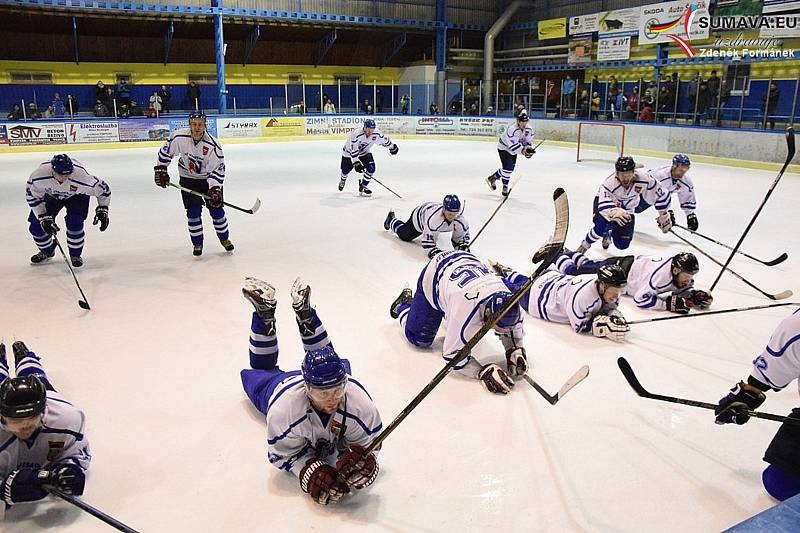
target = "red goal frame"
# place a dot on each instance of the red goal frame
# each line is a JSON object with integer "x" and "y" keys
{"x": 609, "y": 124}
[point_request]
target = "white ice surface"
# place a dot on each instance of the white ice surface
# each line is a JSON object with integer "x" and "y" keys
{"x": 177, "y": 446}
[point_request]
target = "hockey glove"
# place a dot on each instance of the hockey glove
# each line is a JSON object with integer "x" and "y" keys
{"x": 48, "y": 224}
{"x": 495, "y": 379}
{"x": 665, "y": 221}
{"x": 691, "y": 222}
{"x": 161, "y": 176}
{"x": 394, "y": 149}
{"x": 731, "y": 408}
{"x": 701, "y": 299}
{"x": 612, "y": 327}
{"x": 433, "y": 251}
{"x": 101, "y": 217}
{"x": 68, "y": 477}
{"x": 463, "y": 246}
{"x": 678, "y": 304}
{"x": 357, "y": 467}
{"x": 358, "y": 166}
{"x": 23, "y": 485}
{"x": 619, "y": 216}
{"x": 529, "y": 151}
{"x": 214, "y": 197}
{"x": 517, "y": 361}
{"x": 322, "y": 482}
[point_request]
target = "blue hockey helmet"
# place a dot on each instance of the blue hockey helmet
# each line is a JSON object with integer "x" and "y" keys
{"x": 322, "y": 368}
{"x": 498, "y": 300}
{"x": 62, "y": 164}
{"x": 681, "y": 160}
{"x": 197, "y": 114}
{"x": 369, "y": 123}
{"x": 451, "y": 203}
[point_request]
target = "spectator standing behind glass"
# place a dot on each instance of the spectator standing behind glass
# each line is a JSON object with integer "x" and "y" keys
{"x": 329, "y": 108}
{"x": 583, "y": 104}
{"x": 193, "y": 96}
{"x": 58, "y": 105}
{"x": 165, "y": 95}
{"x": 694, "y": 85}
{"x": 378, "y": 101}
{"x": 634, "y": 100}
{"x": 15, "y": 113}
{"x": 366, "y": 107}
{"x": 724, "y": 94}
{"x": 405, "y": 104}
{"x": 49, "y": 113}
{"x": 611, "y": 97}
{"x": 702, "y": 101}
{"x": 433, "y": 109}
{"x": 569, "y": 92}
{"x": 33, "y": 112}
{"x": 100, "y": 92}
{"x": 770, "y": 103}
{"x": 619, "y": 103}
{"x": 713, "y": 88}
{"x": 124, "y": 92}
{"x": 155, "y": 102}
{"x": 101, "y": 109}
{"x": 595, "y": 106}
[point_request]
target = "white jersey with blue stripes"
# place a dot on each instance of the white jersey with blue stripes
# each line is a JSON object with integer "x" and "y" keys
{"x": 42, "y": 182}
{"x": 295, "y": 429}
{"x": 683, "y": 187}
{"x": 515, "y": 139}
{"x": 429, "y": 220}
{"x": 650, "y": 282}
{"x": 358, "y": 144}
{"x": 779, "y": 363}
{"x": 60, "y": 439}
{"x": 459, "y": 285}
{"x": 565, "y": 299}
{"x": 199, "y": 160}
{"x": 612, "y": 194}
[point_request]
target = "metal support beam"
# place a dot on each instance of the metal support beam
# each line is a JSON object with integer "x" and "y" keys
{"x": 441, "y": 55}
{"x": 324, "y": 46}
{"x": 168, "y": 40}
{"x": 250, "y": 43}
{"x": 75, "y": 39}
{"x": 393, "y": 47}
{"x": 219, "y": 45}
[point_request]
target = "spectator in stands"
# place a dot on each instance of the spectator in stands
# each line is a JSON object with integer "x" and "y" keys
{"x": 100, "y": 92}
{"x": 433, "y": 109}
{"x": 647, "y": 100}
{"x": 631, "y": 107}
{"x": 57, "y": 105}
{"x": 595, "y": 115}
{"x": 724, "y": 94}
{"x": 110, "y": 99}
{"x": 165, "y": 95}
{"x": 378, "y": 101}
{"x": 366, "y": 107}
{"x": 692, "y": 91}
{"x": 553, "y": 98}
{"x": 702, "y": 102}
{"x": 770, "y": 103}
{"x": 405, "y": 104}
{"x": 611, "y": 97}
{"x": 123, "y": 92}
{"x": 619, "y": 103}
{"x": 155, "y": 104}
{"x": 193, "y": 96}
{"x": 101, "y": 109}
{"x": 569, "y": 92}
{"x": 33, "y": 112}
{"x": 15, "y": 113}
{"x": 489, "y": 110}
{"x": 583, "y": 104}
{"x": 713, "y": 88}
{"x": 49, "y": 112}
{"x": 595, "y": 85}
{"x": 473, "y": 109}
{"x": 329, "y": 108}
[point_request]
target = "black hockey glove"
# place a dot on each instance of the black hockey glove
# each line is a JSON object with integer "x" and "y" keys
{"x": 358, "y": 166}
{"x": 161, "y": 176}
{"x": 433, "y": 251}
{"x": 393, "y": 149}
{"x": 691, "y": 222}
{"x": 101, "y": 217}
{"x": 731, "y": 408}
{"x": 48, "y": 224}
{"x": 677, "y": 304}
{"x": 214, "y": 197}
{"x": 463, "y": 246}
{"x": 529, "y": 151}
{"x": 68, "y": 477}
{"x": 23, "y": 485}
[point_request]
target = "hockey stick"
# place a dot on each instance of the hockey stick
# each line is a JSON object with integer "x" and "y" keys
{"x": 555, "y": 244}
{"x": 576, "y": 378}
{"x": 385, "y": 187}
{"x": 789, "y": 157}
{"x": 97, "y": 513}
{"x": 251, "y": 211}
{"x": 779, "y": 296}
{"x": 693, "y": 315}
{"x": 84, "y": 304}
{"x": 780, "y": 259}
{"x": 630, "y": 377}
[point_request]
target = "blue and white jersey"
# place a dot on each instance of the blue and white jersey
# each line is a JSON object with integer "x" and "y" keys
{"x": 565, "y": 299}
{"x": 295, "y": 429}
{"x": 612, "y": 194}
{"x": 779, "y": 363}
{"x": 358, "y": 144}
{"x": 60, "y": 439}
{"x": 683, "y": 187}
{"x": 515, "y": 139}
{"x": 459, "y": 285}
{"x": 42, "y": 182}
{"x": 429, "y": 220}
{"x": 199, "y": 160}
{"x": 650, "y": 282}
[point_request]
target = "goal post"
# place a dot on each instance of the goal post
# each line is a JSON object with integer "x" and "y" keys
{"x": 604, "y": 136}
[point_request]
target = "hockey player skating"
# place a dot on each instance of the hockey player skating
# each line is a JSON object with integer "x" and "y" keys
{"x": 429, "y": 220}
{"x": 674, "y": 179}
{"x": 42, "y": 440}
{"x": 616, "y": 202}
{"x": 201, "y": 168}
{"x": 586, "y": 302}
{"x": 654, "y": 282}
{"x": 516, "y": 139}
{"x": 62, "y": 183}
{"x": 456, "y": 287}
{"x": 313, "y": 414}
{"x": 775, "y": 368}
{"x": 356, "y": 154}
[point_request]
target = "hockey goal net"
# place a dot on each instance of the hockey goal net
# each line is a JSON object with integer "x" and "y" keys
{"x": 597, "y": 140}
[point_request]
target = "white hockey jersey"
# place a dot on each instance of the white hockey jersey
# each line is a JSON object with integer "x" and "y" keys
{"x": 459, "y": 285}
{"x": 358, "y": 144}
{"x": 42, "y": 182}
{"x": 295, "y": 430}
{"x": 515, "y": 139}
{"x": 201, "y": 160}
{"x": 612, "y": 194}
{"x": 683, "y": 187}
{"x": 565, "y": 299}
{"x": 61, "y": 438}
{"x": 779, "y": 363}
{"x": 650, "y": 282}
{"x": 429, "y": 220}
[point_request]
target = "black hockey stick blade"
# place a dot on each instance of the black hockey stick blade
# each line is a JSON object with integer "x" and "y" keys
{"x": 83, "y": 304}
{"x": 780, "y": 259}
{"x": 576, "y": 378}
{"x": 633, "y": 381}
{"x": 97, "y": 513}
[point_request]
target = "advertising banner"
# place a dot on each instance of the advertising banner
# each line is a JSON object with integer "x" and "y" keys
{"x": 619, "y": 21}
{"x": 151, "y": 129}
{"x": 92, "y": 132}
{"x": 552, "y": 28}
{"x": 278, "y": 126}
{"x": 181, "y": 123}
{"x": 20, "y": 134}
{"x": 584, "y": 24}
{"x": 483, "y": 126}
{"x": 340, "y": 125}
{"x": 580, "y": 50}
{"x": 435, "y": 126}
{"x": 614, "y": 48}
{"x": 238, "y": 127}
{"x": 660, "y": 21}
{"x": 395, "y": 125}
{"x": 3, "y": 134}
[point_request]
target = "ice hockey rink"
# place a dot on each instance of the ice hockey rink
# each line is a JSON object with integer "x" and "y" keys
{"x": 177, "y": 446}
